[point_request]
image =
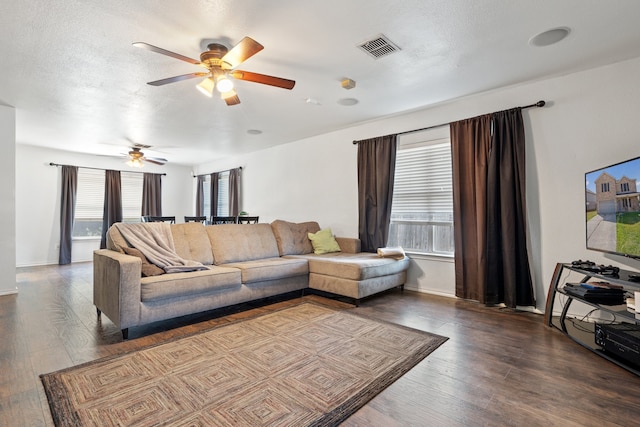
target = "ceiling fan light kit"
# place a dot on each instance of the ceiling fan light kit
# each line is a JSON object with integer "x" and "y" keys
{"x": 206, "y": 86}
{"x": 137, "y": 159}
{"x": 220, "y": 63}
{"x": 223, "y": 84}
{"x": 135, "y": 163}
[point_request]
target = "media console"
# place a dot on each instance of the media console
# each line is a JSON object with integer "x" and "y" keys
{"x": 618, "y": 344}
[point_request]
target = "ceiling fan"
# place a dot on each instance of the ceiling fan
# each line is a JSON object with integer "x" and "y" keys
{"x": 136, "y": 157}
{"x": 220, "y": 63}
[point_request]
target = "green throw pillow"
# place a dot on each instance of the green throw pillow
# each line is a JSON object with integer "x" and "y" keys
{"x": 323, "y": 242}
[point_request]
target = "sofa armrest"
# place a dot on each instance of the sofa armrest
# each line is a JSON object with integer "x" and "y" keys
{"x": 350, "y": 245}
{"x": 116, "y": 286}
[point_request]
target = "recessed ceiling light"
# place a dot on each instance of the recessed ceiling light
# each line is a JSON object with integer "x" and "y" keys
{"x": 347, "y": 101}
{"x": 549, "y": 37}
{"x": 254, "y": 131}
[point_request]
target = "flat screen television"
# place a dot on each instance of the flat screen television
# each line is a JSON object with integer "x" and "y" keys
{"x": 613, "y": 209}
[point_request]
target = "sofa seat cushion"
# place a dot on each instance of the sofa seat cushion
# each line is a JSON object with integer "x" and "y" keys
{"x": 175, "y": 285}
{"x": 293, "y": 237}
{"x": 359, "y": 266}
{"x": 190, "y": 241}
{"x": 270, "y": 269}
{"x": 241, "y": 242}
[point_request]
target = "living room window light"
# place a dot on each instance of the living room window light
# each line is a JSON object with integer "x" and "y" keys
{"x": 87, "y": 222}
{"x": 422, "y": 206}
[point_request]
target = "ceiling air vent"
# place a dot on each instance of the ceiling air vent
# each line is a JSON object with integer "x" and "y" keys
{"x": 379, "y": 46}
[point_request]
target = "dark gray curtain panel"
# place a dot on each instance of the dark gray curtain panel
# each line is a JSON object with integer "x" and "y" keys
{"x": 112, "y": 203}
{"x": 200, "y": 196}
{"x": 68, "y": 192}
{"x": 376, "y": 169}
{"x": 470, "y": 146}
{"x": 214, "y": 189}
{"x": 508, "y": 270}
{"x": 152, "y": 194}
{"x": 234, "y": 192}
{"x": 491, "y": 258}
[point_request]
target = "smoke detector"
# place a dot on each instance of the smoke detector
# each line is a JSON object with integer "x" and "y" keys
{"x": 348, "y": 83}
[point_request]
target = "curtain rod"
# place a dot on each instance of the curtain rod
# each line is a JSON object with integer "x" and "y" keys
{"x": 227, "y": 170}
{"x": 537, "y": 104}
{"x": 100, "y": 169}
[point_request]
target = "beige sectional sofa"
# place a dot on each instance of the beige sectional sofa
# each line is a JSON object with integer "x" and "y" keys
{"x": 244, "y": 262}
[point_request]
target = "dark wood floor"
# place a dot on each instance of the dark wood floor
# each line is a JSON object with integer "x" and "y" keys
{"x": 498, "y": 368}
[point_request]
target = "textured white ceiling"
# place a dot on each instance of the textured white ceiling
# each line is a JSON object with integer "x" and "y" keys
{"x": 78, "y": 84}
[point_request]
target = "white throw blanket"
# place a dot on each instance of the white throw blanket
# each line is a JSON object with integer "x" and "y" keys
{"x": 395, "y": 252}
{"x": 155, "y": 241}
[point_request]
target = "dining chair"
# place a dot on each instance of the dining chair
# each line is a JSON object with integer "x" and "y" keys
{"x": 170, "y": 219}
{"x": 202, "y": 219}
{"x": 224, "y": 220}
{"x": 248, "y": 219}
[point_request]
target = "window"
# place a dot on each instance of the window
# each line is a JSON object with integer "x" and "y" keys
{"x": 422, "y": 206}
{"x": 223, "y": 194}
{"x": 131, "y": 187}
{"x": 90, "y": 201}
{"x": 604, "y": 187}
{"x": 625, "y": 187}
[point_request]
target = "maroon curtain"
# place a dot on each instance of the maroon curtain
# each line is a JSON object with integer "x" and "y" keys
{"x": 213, "y": 192}
{"x": 376, "y": 169}
{"x": 69, "y": 190}
{"x": 152, "y": 194}
{"x": 234, "y": 192}
{"x": 200, "y": 196}
{"x": 491, "y": 258}
{"x": 112, "y": 203}
{"x": 470, "y": 146}
{"x": 508, "y": 273}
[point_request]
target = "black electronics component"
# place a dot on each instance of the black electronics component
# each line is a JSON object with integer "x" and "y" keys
{"x": 621, "y": 340}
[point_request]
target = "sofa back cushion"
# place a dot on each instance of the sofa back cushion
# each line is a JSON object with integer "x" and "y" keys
{"x": 293, "y": 237}
{"x": 241, "y": 242}
{"x": 115, "y": 241}
{"x": 191, "y": 242}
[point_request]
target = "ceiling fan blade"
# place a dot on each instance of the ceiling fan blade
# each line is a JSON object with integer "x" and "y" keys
{"x": 176, "y": 79}
{"x": 241, "y": 52}
{"x": 232, "y": 100}
{"x": 157, "y": 159}
{"x": 264, "y": 79}
{"x": 146, "y": 159}
{"x": 162, "y": 51}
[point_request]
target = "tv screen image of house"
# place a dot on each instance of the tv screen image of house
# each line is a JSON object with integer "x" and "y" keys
{"x": 613, "y": 208}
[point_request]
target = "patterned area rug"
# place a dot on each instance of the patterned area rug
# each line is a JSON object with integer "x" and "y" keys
{"x": 304, "y": 365}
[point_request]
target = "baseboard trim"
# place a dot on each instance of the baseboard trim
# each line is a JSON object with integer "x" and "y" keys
{"x": 427, "y": 291}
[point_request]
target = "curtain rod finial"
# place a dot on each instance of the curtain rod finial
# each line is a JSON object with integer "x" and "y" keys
{"x": 540, "y": 104}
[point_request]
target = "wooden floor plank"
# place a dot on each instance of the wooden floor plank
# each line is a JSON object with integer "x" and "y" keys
{"x": 499, "y": 367}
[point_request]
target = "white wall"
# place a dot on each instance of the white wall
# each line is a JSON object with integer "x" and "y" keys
{"x": 591, "y": 121}
{"x": 38, "y": 200}
{"x": 7, "y": 200}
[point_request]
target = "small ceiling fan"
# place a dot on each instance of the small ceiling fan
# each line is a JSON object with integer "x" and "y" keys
{"x": 220, "y": 63}
{"x": 136, "y": 157}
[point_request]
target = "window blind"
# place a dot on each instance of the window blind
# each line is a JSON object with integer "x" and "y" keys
{"x": 423, "y": 181}
{"x": 90, "y": 194}
{"x": 131, "y": 187}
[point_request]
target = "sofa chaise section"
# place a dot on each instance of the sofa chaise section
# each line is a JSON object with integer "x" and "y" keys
{"x": 349, "y": 273}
